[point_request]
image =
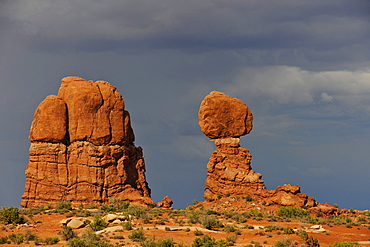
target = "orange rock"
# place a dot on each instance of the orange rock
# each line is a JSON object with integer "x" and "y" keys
{"x": 90, "y": 159}
{"x": 229, "y": 173}
{"x": 223, "y": 116}
{"x": 166, "y": 203}
{"x": 224, "y": 119}
{"x": 50, "y": 121}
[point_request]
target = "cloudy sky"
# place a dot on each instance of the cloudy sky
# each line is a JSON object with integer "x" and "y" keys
{"x": 303, "y": 67}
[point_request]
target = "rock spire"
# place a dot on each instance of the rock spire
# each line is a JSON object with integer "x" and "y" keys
{"x": 224, "y": 119}
{"x": 82, "y": 148}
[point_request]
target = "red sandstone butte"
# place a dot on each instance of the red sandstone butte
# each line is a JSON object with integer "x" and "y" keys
{"x": 82, "y": 148}
{"x": 229, "y": 172}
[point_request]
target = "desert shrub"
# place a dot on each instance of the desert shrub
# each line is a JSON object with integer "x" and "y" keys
{"x": 29, "y": 236}
{"x": 248, "y": 226}
{"x": 90, "y": 239}
{"x": 108, "y": 208}
{"x": 230, "y": 240}
{"x": 4, "y": 240}
{"x": 288, "y": 230}
{"x": 63, "y": 206}
{"x": 312, "y": 242}
{"x": 98, "y": 223}
{"x": 10, "y": 215}
{"x": 344, "y": 244}
{"x": 168, "y": 242}
{"x": 198, "y": 232}
{"x": 137, "y": 236}
{"x": 138, "y": 212}
{"x": 127, "y": 225}
{"x": 254, "y": 213}
{"x": 248, "y": 198}
{"x": 193, "y": 217}
{"x": 195, "y": 202}
{"x": 340, "y": 220}
{"x": 231, "y": 228}
{"x": 303, "y": 235}
{"x": 51, "y": 240}
{"x": 67, "y": 233}
{"x": 149, "y": 242}
{"x": 292, "y": 212}
{"x": 284, "y": 243}
{"x": 76, "y": 242}
{"x": 33, "y": 210}
{"x": 313, "y": 221}
{"x": 211, "y": 223}
{"x": 16, "y": 238}
{"x": 207, "y": 241}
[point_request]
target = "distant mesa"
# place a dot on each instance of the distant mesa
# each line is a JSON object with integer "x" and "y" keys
{"x": 82, "y": 148}
{"x": 229, "y": 173}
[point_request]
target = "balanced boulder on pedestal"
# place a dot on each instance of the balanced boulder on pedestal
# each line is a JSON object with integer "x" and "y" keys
{"x": 224, "y": 120}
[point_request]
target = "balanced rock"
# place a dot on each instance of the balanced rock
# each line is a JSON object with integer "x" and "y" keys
{"x": 82, "y": 148}
{"x": 224, "y": 119}
{"x": 223, "y": 116}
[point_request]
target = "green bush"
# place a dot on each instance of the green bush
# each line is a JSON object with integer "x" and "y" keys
{"x": 98, "y": 223}
{"x": 231, "y": 228}
{"x": 211, "y": 223}
{"x": 284, "y": 243}
{"x": 127, "y": 225}
{"x": 207, "y": 241}
{"x": 312, "y": 242}
{"x": 67, "y": 233}
{"x": 198, "y": 232}
{"x": 248, "y": 198}
{"x": 64, "y": 206}
{"x": 76, "y": 242}
{"x": 16, "y": 238}
{"x": 288, "y": 230}
{"x": 4, "y": 240}
{"x": 10, "y": 215}
{"x": 230, "y": 240}
{"x": 168, "y": 242}
{"x": 292, "y": 212}
{"x": 51, "y": 240}
{"x": 344, "y": 244}
{"x": 29, "y": 236}
{"x": 137, "y": 236}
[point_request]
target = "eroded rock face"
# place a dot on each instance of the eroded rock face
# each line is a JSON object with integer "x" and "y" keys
{"x": 82, "y": 148}
{"x": 229, "y": 173}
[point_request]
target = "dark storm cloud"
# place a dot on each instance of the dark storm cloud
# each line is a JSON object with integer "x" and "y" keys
{"x": 196, "y": 25}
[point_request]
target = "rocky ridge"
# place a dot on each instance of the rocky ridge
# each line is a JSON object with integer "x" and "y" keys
{"x": 82, "y": 148}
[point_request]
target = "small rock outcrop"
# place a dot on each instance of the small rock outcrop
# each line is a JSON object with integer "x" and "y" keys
{"x": 224, "y": 120}
{"x": 82, "y": 148}
{"x": 165, "y": 203}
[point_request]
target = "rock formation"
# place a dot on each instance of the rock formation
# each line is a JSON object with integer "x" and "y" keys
{"x": 165, "y": 203}
{"x": 82, "y": 148}
{"x": 225, "y": 119}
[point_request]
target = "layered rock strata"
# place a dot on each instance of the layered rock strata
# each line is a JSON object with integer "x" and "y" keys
{"x": 225, "y": 119}
{"x": 82, "y": 148}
